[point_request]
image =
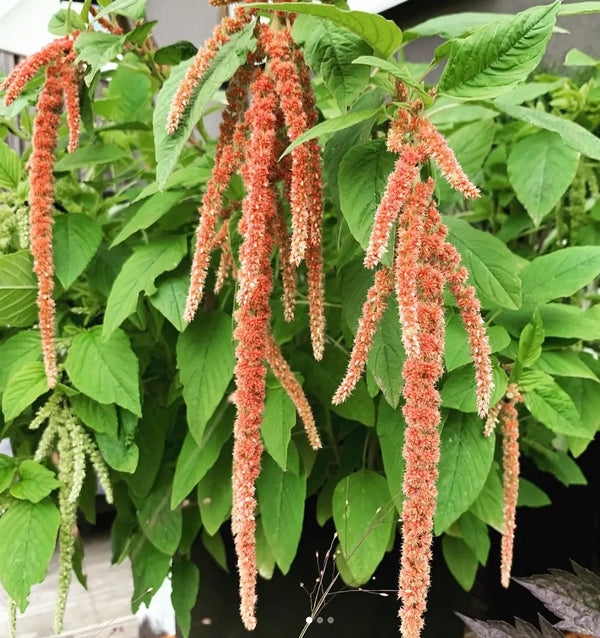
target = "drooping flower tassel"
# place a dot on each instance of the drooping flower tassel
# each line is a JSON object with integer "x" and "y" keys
{"x": 252, "y": 317}
{"x": 372, "y": 312}
{"x": 70, "y": 84}
{"x": 291, "y": 385}
{"x": 288, "y": 270}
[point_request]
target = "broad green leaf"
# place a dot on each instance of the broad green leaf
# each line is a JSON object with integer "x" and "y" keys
{"x": 133, "y": 89}
{"x": 92, "y": 155}
{"x": 380, "y": 33}
{"x": 216, "y": 548}
{"x": 75, "y": 239}
{"x": 281, "y": 497}
{"x": 100, "y": 417}
{"x": 471, "y": 144}
{"x": 10, "y": 166}
{"x": 575, "y": 57}
{"x": 27, "y": 540}
{"x": 530, "y": 342}
{"x": 541, "y": 167}
{"x": 565, "y": 363}
{"x": 196, "y": 459}
{"x": 551, "y": 405}
{"x": 137, "y": 275}
{"x": 264, "y": 556}
{"x": 362, "y": 179}
{"x": 329, "y": 51}
{"x": 531, "y": 495}
{"x": 18, "y": 290}
{"x": 529, "y": 91}
{"x": 461, "y": 560}
{"x": 454, "y": 25}
{"x": 161, "y": 525}
{"x": 8, "y": 469}
{"x": 390, "y": 432}
{"x": 205, "y": 360}
{"x": 35, "y": 482}
{"x": 493, "y": 269}
{"x": 151, "y": 210}
{"x": 488, "y": 506}
{"x": 364, "y": 519}
{"x": 121, "y": 452}
{"x": 499, "y": 55}
{"x": 447, "y": 112}
{"x": 387, "y": 356}
{"x": 214, "y": 492}
{"x": 458, "y": 391}
{"x": 175, "y": 53}
{"x": 389, "y": 66}
{"x": 559, "y": 274}
{"x": 559, "y": 464}
{"x": 23, "y": 388}
{"x": 114, "y": 365}
{"x": 150, "y": 567}
{"x": 457, "y": 352}
{"x": 331, "y": 126}
{"x": 579, "y": 8}
{"x": 465, "y": 461}
{"x": 475, "y": 534}
{"x": 129, "y": 8}
{"x": 23, "y": 347}
{"x": 279, "y": 418}
{"x": 573, "y": 135}
{"x": 170, "y": 296}
{"x": 58, "y": 22}
{"x": 225, "y": 63}
{"x": 185, "y": 581}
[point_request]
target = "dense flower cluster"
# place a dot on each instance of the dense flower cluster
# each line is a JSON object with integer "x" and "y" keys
{"x": 61, "y": 83}
{"x": 424, "y": 262}
{"x": 506, "y": 411}
{"x": 266, "y": 110}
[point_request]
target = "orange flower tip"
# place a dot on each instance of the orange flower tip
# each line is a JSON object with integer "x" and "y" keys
{"x": 370, "y": 261}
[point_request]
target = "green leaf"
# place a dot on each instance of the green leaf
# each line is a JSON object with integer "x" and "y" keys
{"x": 390, "y": 432}
{"x": 174, "y": 53}
{"x": 453, "y": 25}
{"x": 447, "y": 112}
{"x": 185, "y": 582}
{"x": 457, "y": 352}
{"x": 195, "y": 460}
{"x": 559, "y": 464}
{"x": 579, "y": 8}
{"x": 227, "y": 60}
{"x": 475, "y": 534}
{"x": 75, "y": 239}
{"x": 471, "y": 144}
{"x": 216, "y": 548}
{"x": 150, "y": 567}
{"x": 364, "y": 520}
{"x": 330, "y": 51}
{"x": 387, "y": 356}
{"x": 23, "y": 388}
{"x": 264, "y": 556}
{"x": 465, "y": 461}
{"x": 214, "y": 492}
{"x": 362, "y": 179}
{"x": 573, "y": 135}
{"x": 493, "y": 269}
{"x": 541, "y": 168}
{"x": 551, "y": 405}
{"x": 10, "y": 166}
{"x": 121, "y": 452}
{"x": 461, "y": 560}
{"x": 586, "y": 398}
{"x": 279, "y": 418}
{"x": 205, "y": 360}
{"x": 18, "y": 290}
{"x": 100, "y": 417}
{"x": 161, "y": 525}
{"x": 58, "y": 22}
{"x": 458, "y": 391}
{"x": 499, "y": 55}
{"x": 281, "y": 497}
{"x": 23, "y": 347}
{"x": 170, "y": 297}
{"x": 151, "y": 210}
{"x": 565, "y": 363}
{"x": 35, "y": 482}
{"x": 137, "y": 275}
{"x": 133, "y": 89}
{"x": 531, "y": 495}
{"x": 380, "y": 33}
{"x": 115, "y": 367}
{"x": 331, "y": 126}
{"x": 8, "y": 469}
{"x": 559, "y": 274}
{"x": 575, "y": 57}
{"x": 129, "y": 8}
{"x": 27, "y": 539}
{"x": 92, "y": 155}
{"x": 530, "y": 342}
{"x": 488, "y": 506}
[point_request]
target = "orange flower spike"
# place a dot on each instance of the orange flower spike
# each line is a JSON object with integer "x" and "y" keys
{"x": 437, "y": 147}
{"x": 291, "y": 385}
{"x": 41, "y": 164}
{"x": 492, "y": 418}
{"x": 70, "y": 84}
{"x": 510, "y": 460}
{"x": 288, "y": 271}
{"x": 372, "y": 311}
{"x": 24, "y": 71}
{"x": 316, "y": 299}
{"x": 252, "y": 316}
{"x": 421, "y": 451}
{"x": 406, "y": 266}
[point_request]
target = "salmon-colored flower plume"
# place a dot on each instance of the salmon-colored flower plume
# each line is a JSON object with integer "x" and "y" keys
{"x": 70, "y": 84}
